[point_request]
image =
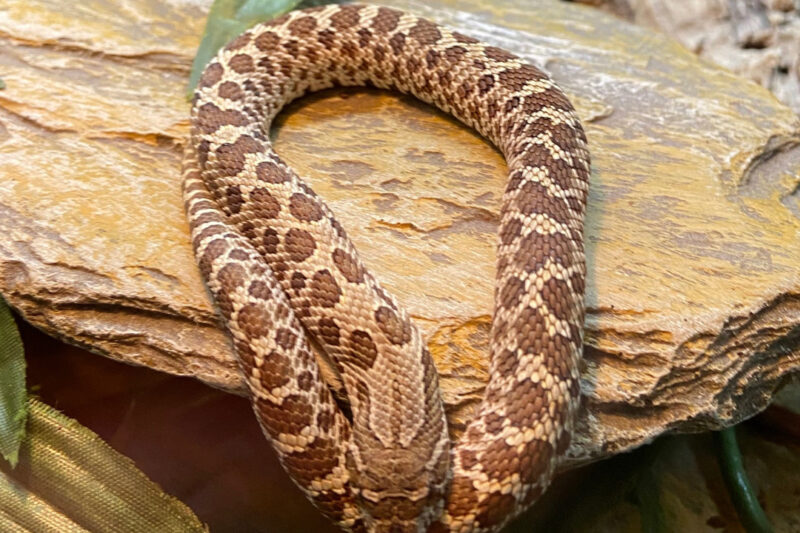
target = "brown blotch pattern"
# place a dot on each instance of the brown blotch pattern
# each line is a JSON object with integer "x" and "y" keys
{"x": 498, "y": 54}
{"x": 211, "y": 75}
{"x": 304, "y": 208}
{"x": 271, "y": 172}
{"x": 232, "y": 276}
{"x": 535, "y": 198}
{"x": 231, "y": 156}
{"x": 533, "y": 458}
{"x": 263, "y": 205}
{"x": 238, "y": 254}
{"x": 234, "y": 199}
{"x": 346, "y": 18}
{"x": 348, "y": 266}
{"x": 425, "y": 32}
{"x": 290, "y": 417}
{"x": 302, "y": 26}
{"x": 241, "y": 63}
{"x": 254, "y": 320}
{"x": 506, "y": 363}
{"x": 463, "y": 497}
{"x": 312, "y": 463}
{"x": 533, "y": 329}
{"x": 515, "y": 79}
{"x": 325, "y": 289}
{"x": 259, "y": 289}
{"x": 328, "y": 331}
{"x": 305, "y": 380}
{"x": 397, "y": 42}
{"x": 270, "y": 241}
{"x": 214, "y": 249}
{"x": 511, "y": 293}
{"x": 363, "y": 349}
{"x": 454, "y": 54}
{"x": 510, "y": 231}
{"x": 460, "y": 37}
{"x": 267, "y": 41}
{"x": 397, "y": 331}
{"x": 299, "y": 244}
{"x": 536, "y": 249}
{"x": 239, "y": 42}
{"x": 286, "y": 338}
{"x": 210, "y": 118}
{"x": 298, "y": 281}
{"x": 496, "y": 509}
{"x": 557, "y": 295}
{"x": 386, "y": 20}
{"x": 231, "y": 91}
{"x": 276, "y": 371}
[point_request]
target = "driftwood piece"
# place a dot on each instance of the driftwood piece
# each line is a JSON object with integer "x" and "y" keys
{"x": 692, "y": 230}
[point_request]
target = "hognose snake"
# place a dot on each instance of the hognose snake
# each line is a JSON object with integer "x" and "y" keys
{"x": 279, "y": 266}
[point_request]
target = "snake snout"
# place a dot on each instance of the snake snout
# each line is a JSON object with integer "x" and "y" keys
{"x": 399, "y": 491}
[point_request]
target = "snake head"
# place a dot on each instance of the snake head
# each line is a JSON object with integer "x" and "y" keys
{"x": 399, "y": 491}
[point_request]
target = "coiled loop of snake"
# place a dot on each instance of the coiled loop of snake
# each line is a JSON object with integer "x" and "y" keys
{"x": 280, "y": 267}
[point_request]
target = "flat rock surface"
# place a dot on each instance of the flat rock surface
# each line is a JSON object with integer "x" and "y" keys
{"x": 693, "y": 226}
{"x": 758, "y": 40}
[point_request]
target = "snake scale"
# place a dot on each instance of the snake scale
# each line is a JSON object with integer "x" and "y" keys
{"x": 281, "y": 269}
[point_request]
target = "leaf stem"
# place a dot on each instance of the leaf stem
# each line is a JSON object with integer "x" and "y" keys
{"x": 741, "y": 492}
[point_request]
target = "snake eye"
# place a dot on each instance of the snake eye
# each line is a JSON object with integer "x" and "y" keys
{"x": 370, "y": 495}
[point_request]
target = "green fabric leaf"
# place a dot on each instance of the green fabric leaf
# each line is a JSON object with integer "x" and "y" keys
{"x": 226, "y": 20}
{"x": 68, "y": 479}
{"x": 12, "y": 386}
{"x": 22, "y": 510}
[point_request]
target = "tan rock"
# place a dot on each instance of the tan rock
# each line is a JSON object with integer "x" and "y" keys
{"x": 692, "y": 231}
{"x": 757, "y": 40}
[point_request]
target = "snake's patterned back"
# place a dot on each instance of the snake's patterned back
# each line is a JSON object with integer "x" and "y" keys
{"x": 280, "y": 267}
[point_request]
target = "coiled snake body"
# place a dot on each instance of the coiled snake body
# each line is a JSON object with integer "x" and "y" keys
{"x": 280, "y": 266}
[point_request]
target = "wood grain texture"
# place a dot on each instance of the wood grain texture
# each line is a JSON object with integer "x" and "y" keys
{"x": 692, "y": 229}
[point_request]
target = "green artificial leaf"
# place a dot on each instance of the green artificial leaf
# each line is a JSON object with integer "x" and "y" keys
{"x": 226, "y": 20}
{"x": 744, "y": 498}
{"x": 12, "y": 386}
{"x": 645, "y": 494}
{"x": 255, "y": 11}
{"x": 2, "y": 84}
{"x": 68, "y": 480}
{"x": 24, "y": 511}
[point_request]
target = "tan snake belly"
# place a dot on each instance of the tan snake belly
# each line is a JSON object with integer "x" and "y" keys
{"x": 280, "y": 267}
